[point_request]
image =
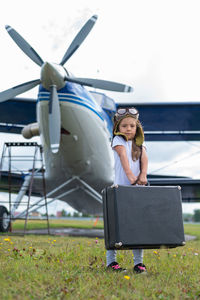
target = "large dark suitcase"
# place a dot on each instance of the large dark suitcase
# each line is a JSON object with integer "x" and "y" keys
{"x": 143, "y": 217}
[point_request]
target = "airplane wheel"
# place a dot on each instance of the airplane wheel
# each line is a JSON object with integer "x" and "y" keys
{"x": 4, "y": 219}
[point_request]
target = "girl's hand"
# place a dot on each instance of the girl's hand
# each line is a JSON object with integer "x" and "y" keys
{"x": 132, "y": 178}
{"x": 142, "y": 179}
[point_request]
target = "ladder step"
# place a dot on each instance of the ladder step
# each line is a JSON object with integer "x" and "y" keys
{"x": 22, "y": 144}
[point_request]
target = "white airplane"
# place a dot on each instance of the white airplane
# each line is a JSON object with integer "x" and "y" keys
{"x": 75, "y": 130}
{"x": 75, "y": 127}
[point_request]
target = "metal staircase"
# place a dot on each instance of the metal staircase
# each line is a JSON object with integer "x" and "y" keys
{"x": 21, "y": 163}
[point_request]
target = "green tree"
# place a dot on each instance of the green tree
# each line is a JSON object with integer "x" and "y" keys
{"x": 76, "y": 214}
{"x": 187, "y": 217}
{"x": 63, "y": 213}
{"x": 197, "y": 215}
{"x": 84, "y": 215}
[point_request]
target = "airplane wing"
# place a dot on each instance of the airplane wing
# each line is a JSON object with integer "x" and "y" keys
{"x": 161, "y": 121}
{"x": 189, "y": 186}
{"x": 169, "y": 121}
{"x": 10, "y": 181}
{"x": 16, "y": 113}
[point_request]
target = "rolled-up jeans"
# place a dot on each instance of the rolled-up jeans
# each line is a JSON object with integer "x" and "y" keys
{"x": 137, "y": 256}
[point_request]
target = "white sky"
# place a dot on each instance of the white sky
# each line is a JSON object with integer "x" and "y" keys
{"x": 152, "y": 45}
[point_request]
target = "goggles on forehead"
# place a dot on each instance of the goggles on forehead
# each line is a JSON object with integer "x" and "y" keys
{"x": 126, "y": 111}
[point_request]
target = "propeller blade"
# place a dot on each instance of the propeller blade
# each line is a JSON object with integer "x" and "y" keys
{"x": 18, "y": 89}
{"x": 54, "y": 120}
{"x": 25, "y": 47}
{"x": 102, "y": 84}
{"x": 79, "y": 38}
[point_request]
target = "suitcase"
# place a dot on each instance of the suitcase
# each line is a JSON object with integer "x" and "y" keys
{"x": 143, "y": 217}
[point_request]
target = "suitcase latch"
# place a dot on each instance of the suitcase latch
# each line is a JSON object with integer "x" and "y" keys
{"x": 114, "y": 186}
{"x": 118, "y": 245}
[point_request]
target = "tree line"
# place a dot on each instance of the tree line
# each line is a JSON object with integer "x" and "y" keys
{"x": 192, "y": 217}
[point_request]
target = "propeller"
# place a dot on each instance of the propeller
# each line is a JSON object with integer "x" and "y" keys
{"x": 18, "y": 89}
{"x": 79, "y": 38}
{"x": 101, "y": 84}
{"x": 54, "y": 77}
{"x": 24, "y": 46}
{"x": 54, "y": 120}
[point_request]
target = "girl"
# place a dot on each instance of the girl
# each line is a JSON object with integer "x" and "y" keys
{"x": 130, "y": 167}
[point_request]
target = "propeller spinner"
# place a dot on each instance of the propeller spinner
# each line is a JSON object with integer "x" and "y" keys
{"x": 54, "y": 77}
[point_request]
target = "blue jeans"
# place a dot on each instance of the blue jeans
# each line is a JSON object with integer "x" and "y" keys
{"x": 137, "y": 256}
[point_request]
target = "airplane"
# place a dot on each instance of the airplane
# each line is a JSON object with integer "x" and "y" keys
{"x": 75, "y": 128}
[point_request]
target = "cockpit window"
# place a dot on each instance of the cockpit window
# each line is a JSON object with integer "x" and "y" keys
{"x": 104, "y": 101}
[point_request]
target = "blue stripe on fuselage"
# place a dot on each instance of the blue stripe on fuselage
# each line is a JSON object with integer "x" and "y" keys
{"x": 75, "y": 93}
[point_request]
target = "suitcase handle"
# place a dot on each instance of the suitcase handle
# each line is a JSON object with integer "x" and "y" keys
{"x": 147, "y": 184}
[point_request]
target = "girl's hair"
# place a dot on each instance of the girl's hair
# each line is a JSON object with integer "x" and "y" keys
{"x": 136, "y": 149}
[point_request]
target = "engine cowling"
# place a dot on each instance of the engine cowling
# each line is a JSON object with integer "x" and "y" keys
{"x": 31, "y": 130}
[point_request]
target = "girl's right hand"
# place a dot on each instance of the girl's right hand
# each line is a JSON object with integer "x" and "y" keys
{"x": 132, "y": 179}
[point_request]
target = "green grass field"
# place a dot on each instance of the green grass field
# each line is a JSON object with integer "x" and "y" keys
{"x": 56, "y": 223}
{"x": 46, "y": 267}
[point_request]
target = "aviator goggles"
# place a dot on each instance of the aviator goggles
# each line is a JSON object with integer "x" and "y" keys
{"x": 121, "y": 112}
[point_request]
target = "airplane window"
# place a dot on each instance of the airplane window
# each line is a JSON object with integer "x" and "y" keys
{"x": 98, "y": 97}
{"x": 108, "y": 103}
{"x": 104, "y": 101}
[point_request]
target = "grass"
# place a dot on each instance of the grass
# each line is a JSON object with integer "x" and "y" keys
{"x": 192, "y": 229}
{"x": 56, "y": 223}
{"x": 43, "y": 267}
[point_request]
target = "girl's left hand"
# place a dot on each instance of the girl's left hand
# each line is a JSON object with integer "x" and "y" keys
{"x": 142, "y": 179}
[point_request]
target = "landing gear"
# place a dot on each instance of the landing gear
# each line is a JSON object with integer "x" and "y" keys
{"x": 4, "y": 219}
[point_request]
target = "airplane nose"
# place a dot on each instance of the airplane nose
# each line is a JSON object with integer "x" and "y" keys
{"x": 52, "y": 74}
{"x": 49, "y": 68}
{"x": 46, "y": 67}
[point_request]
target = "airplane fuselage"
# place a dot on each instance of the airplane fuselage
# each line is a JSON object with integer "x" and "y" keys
{"x": 85, "y": 145}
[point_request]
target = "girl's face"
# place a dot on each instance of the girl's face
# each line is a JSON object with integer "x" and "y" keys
{"x": 128, "y": 127}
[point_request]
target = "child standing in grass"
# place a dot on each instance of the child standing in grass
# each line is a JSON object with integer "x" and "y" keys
{"x": 130, "y": 168}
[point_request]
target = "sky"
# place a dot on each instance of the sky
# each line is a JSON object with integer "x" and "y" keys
{"x": 152, "y": 45}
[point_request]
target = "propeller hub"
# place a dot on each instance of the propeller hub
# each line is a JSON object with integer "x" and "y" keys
{"x": 53, "y": 74}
